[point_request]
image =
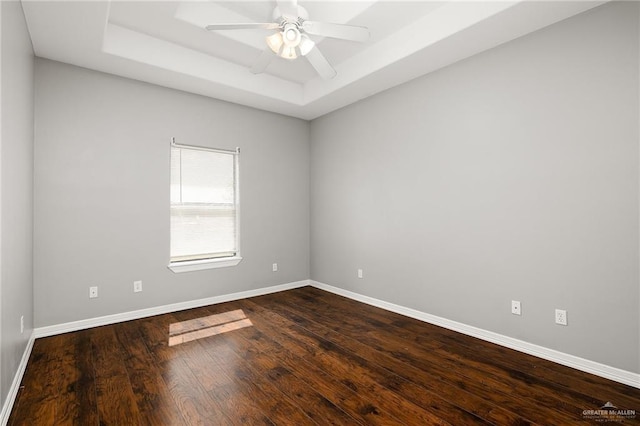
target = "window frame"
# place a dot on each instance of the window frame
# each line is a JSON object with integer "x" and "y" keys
{"x": 217, "y": 262}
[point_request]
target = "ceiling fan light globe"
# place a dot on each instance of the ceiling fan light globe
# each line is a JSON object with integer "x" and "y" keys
{"x": 275, "y": 42}
{"x": 289, "y": 53}
{"x": 306, "y": 44}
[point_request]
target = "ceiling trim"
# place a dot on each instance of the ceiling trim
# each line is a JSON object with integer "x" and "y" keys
{"x": 90, "y": 34}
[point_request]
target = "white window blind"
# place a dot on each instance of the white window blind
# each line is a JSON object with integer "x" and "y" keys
{"x": 204, "y": 198}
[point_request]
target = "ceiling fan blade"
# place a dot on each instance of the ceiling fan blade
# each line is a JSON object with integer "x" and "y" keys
{"x": 344, "y": 32}
{"x": 263, "y": 61}
{"x": 247, "y": 26}
{"x": 288, "y": 8}
{"x": 320, "y": 63}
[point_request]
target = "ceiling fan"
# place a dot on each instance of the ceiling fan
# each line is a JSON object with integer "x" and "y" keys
{"x": 291, "y": 39}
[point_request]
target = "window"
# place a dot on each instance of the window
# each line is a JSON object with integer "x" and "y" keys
{"x": 204, "y": 208}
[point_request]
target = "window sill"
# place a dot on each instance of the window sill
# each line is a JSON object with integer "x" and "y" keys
{"x": 198, "y": 265}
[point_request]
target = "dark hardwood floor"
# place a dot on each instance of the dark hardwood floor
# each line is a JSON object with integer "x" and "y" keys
{"x": 293, "y": 358}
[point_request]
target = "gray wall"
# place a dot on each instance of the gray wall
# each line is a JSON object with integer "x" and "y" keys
{"x": 16, "y": 190}
{"x": 102, "y": 193}
{"x": 510, "y": 175}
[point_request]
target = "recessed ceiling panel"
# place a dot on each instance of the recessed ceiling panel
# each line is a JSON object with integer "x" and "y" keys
{"x": 165, "y": 43}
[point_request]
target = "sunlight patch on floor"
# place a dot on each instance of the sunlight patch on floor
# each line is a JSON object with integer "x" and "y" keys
{"x": 199, "y": 328}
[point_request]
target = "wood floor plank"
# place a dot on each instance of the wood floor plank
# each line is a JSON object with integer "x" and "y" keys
{"x": 412, "y": 382}
{"x": 314, "y": 405}
{"x": 433, "y": 369}
{"x": 253, "y": 347}
{"x": 195, "y": 404}
{"x": 152, "y": 395}
{"x": 554, "y": 374}
{"x": 259, "y": 390}
{"x": 302, "y": 357}
{"x": 155, "y": 332}
{"x": 501, "y": 381}
{"x": 115, "y": 398}
{"x": 324, "y": 355}
{"x": 213, "y": 373}
{"x": 76, "y": 399}
{"x": 37, "y": 398}
{"x": 335, "y": 390}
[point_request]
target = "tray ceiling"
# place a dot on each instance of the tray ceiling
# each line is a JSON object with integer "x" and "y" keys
{"x": 164, "y": 43}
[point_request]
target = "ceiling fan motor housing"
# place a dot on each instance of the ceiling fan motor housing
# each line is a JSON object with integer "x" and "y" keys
{"x": 302, "y": 14}
{"x": 291, "y": 35}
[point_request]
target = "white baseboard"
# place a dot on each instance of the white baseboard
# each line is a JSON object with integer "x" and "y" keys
{"x": 17, "y": 379}
{"x": 592, "y": 367}
{"x": 125, "y": 316}
{"x": 158, "y": 310}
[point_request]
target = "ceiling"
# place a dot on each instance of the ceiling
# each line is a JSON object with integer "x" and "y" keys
{"x": 164, "y": 43}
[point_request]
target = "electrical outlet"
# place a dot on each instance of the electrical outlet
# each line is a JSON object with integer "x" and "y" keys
{"x": 274, "y": 267}
{"x": 515, "y": 307}
{"x": 93, "y": 292}
{"x": 359, "y": 273}
{"x": 137, "y": 286}
{"x": 561, "y": 317}
{"x": 21, "y": 324}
